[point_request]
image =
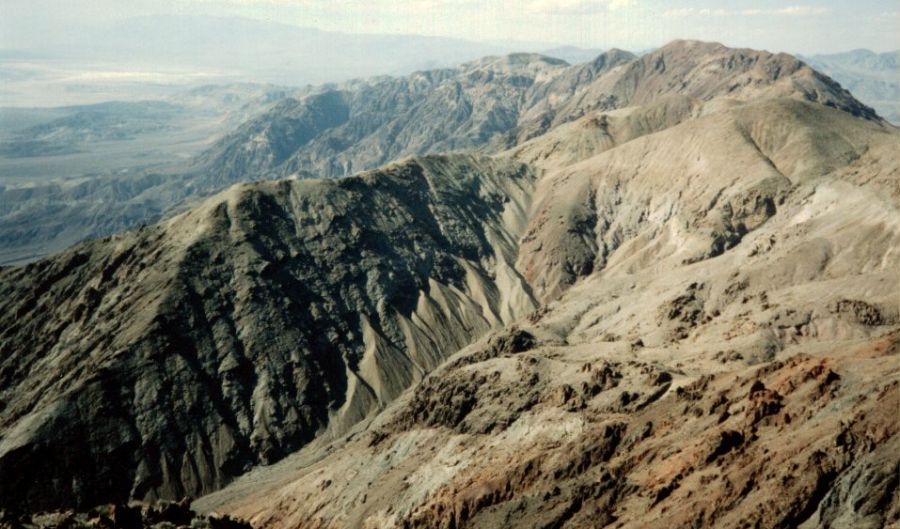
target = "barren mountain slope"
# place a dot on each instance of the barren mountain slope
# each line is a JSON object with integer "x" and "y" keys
{"x": 719, "y": 349}
{"x": 872, "y": 77}
{"x": 690, "y": 192}
{"x": 693, "y": 71}
{"x": 166, "y": 361}
{"x": 498, "y": 102}
{"x": 489, "y": 105}
{"x": 379, "y": 121}
{"x": 688, "y": 287}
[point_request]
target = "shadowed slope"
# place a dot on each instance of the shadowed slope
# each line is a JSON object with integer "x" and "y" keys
{"x": 166, "y": 361}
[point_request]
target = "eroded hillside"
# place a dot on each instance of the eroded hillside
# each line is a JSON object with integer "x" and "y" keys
{"x": 717, "y": 348}
{"x": 169, "y": 360}
{"x": 672, "y": 300}
{"x": 499, "y": 102}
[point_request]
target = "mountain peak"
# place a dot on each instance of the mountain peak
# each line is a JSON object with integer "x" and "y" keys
{"x": 706, "y": 69}
{"x": 516, "y": 62}
{"x": 691, "y": 45}
{"x": 613, "y": 57}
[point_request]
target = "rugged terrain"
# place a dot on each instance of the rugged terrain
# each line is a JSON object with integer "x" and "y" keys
{"x": 872, "y": 77}
{"x": 670, "y": 300}
{"x": 497, "y": 102}
{"x": 134, "y": 515}
{"x": 339, "y": 129}
{"x": 716, "y": 355}
{"x": 264, "y": 316}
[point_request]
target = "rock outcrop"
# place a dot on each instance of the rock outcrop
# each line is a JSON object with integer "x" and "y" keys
{"x": 134, "y": 515}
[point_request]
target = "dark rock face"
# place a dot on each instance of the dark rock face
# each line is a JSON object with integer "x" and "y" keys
{"x": 166, "y": 361}
{"x": 120, "y": 516}
{"x": 862, "y": 312}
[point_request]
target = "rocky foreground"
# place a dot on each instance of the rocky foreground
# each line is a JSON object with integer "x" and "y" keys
{"x": 679, "y": 312}
{"x": 159, "y": 515}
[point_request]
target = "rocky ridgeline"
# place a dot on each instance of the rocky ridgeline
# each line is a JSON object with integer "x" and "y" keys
{"x": 495, "y": 103}
{"x": 486, "y": 105}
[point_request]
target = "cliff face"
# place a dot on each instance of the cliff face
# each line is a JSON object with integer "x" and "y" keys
{"x": 673, "y": 306}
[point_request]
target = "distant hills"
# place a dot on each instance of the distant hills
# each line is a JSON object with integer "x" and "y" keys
{"x": 872, "y": 77}
{"x": 89, "y": 124}
{"x": 573, "y": 54}
{"x": 171, "y": 141}
{"x": 492, "y": 103}
{"x": 153, "y": 57}
{"x": 57, "y": 188}
{"x": 67, "y": 173}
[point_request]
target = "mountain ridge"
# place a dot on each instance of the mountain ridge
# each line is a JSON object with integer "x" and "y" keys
{"x": 164, "y": 315}
{"x": 580, "y": 88}
{"x": 872, "y": 76}
{"x": 681, "y": 358}
{"x": 478, "y": 106}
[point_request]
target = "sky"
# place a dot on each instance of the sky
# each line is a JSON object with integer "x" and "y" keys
{"x": 805, "y": 27}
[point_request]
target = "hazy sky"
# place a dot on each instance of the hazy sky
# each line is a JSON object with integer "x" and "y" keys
{"x": 801, "y": 27}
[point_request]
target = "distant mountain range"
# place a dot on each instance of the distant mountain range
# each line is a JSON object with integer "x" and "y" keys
{"x": 573, "y": 54}
{"x": 153, "y": 57}
{"x": 872, "y": 77}
{"x": 487, "y": 103}
{"x": 172, "y": 141}
{"x": 235, "y": 133}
